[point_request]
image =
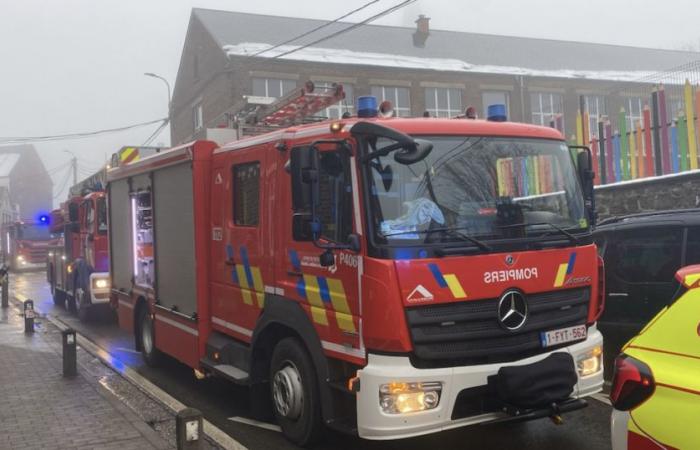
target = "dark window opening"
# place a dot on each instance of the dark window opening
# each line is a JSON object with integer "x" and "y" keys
{"x": 246, "y": 194}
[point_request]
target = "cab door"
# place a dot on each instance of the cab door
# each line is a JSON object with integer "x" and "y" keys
{"x": 328, "y": 295}
{"x": 242, "y": 246}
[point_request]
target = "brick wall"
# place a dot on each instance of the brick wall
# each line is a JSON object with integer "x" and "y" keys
{"x": 671, "y": 192}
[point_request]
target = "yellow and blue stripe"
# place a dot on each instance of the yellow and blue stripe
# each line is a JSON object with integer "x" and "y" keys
{"x": 448, "y": 280}
{"x": 564, "y": 270}
{"x": 248, "y": 278}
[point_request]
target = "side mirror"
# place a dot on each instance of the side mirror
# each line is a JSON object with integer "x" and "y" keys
{"x": 304, "y": 171}
{"x": 73, "y": 209}
{"x": 413, "y": 153}
{"x": 584, "y": 168}
{"x": 301, "y": 227}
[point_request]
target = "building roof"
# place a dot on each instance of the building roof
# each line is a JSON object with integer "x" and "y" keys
{"x": 447, "y": 50}
{"x": 7, "y": 163}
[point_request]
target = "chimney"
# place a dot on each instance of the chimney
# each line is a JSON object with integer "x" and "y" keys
{"x": 422, "y": 31}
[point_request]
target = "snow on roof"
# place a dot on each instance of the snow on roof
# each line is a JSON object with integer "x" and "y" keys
{"x": 338, "y": 56}
{"x": 7, "y": 163}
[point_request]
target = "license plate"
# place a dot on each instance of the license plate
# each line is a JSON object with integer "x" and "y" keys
{"x": 556, "y": 337}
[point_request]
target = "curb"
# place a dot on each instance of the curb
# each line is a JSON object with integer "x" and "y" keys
{"x": 218, "y": 436}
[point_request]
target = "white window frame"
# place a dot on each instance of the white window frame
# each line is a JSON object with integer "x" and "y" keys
{"x": 391, "y": 93}
{"x": 269, "y": 81}
{"x": 198, "y": 116}
{"x": 597, "y": 108}
{"x": 449, "y": 111}
{"x": 539, "y": 117}
{"x": 632, "y": 105}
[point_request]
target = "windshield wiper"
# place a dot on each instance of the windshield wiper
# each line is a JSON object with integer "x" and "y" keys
{"x": 572, "y": 238}
{"x": 456, "y": 231}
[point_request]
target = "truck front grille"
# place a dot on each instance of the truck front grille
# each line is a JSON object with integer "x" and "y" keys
{"x": 468, "y": 332}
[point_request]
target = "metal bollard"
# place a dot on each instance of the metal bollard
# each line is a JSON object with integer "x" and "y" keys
{"x": 5, "y": 286}
{"x": 29, "y": 316}
{"x": 69, "y": 353}
{"x": 188, "y": 429}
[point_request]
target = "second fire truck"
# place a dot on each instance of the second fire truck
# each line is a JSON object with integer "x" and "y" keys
{"x": 381, "y": 276}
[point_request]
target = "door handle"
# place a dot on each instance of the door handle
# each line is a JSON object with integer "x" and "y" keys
{"x": 230, "y": 262}
{"x": 618, "y": 294}
{"x": 292, "y": 273}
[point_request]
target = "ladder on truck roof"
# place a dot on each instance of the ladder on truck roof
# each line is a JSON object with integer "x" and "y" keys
{"x": 298, "y": 106}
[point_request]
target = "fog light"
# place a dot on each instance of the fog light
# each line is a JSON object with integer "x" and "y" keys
{"x": 402, "y": 398}
{"x": 101, "y": 283}
{"x": 590, "y": 362}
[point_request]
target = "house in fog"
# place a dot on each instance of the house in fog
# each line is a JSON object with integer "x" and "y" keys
{"x": 26, "y": 188}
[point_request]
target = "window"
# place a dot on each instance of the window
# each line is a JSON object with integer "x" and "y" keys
{"x": 634, "y": 106}
{"x": 443, "y": 102}
{"x": 89, "y": 215}
{"x": 545, "y": 106}
{"x": 272, "y": 87}
{"x": 494, "y": 98}
{"x": 398, "y": 96}
{"x": 647, "y": 255}
{"x": 595, "y": 105}
{"x": 197, "y": 115}
{"x": 347, "y": 104}
{"x": 335, "y": 196}
{"x": 246, "y": 194}
{"x": 101, "y": 216}
{"x": 142, "y": 229}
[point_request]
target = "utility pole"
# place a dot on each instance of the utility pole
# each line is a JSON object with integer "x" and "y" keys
{"x": 74, "y": 163}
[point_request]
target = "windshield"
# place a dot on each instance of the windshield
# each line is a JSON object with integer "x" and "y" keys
{"x": 485, "y": 187}
{"x": 33, "y": 232}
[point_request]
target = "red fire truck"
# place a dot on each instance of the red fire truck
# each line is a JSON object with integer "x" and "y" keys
{"x": 26, "y": 245}
{"x": 78, "y": 264}
{"x": 388, "y": 277}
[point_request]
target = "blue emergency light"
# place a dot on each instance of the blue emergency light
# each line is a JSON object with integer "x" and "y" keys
{"x": 367, "y": 106}
{"x": 44, "y": 219}
{"x": 496, "y": 113}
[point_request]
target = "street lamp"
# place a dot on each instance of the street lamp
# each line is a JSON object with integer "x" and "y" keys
{"x": 153, "y": 75}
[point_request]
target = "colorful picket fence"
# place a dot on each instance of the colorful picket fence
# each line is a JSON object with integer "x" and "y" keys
{"x": 656, "y": 144}
{"x": 528, "y": 175}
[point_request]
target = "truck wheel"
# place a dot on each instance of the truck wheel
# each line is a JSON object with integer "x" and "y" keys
{"x": 59, "y": 298}
{"x": 83, "y": 305}
{"x": 151, "y": 355}
{"x": 294, "y": 392}
{"x": 71, "y": 302}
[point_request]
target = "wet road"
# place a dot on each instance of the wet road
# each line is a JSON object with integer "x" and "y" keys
{"x": 219, "y": 400}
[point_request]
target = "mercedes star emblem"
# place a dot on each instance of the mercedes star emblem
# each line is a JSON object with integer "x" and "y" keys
{"x": 512, "y": 310}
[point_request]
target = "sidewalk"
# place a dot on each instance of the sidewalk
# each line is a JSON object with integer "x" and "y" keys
{"x": 39, "y": 409}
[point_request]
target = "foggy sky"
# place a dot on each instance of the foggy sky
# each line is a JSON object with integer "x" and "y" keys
{"x": 77, "y": 65}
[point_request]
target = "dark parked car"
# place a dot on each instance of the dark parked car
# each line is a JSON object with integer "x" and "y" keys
{"x": 642, "y": 252}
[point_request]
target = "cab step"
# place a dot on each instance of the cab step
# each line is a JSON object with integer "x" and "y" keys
{"x": 226, "y": 371}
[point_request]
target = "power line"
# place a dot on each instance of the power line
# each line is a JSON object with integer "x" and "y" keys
{"x": 155, "y": 133}
{"x": 64, "y": 184}
{"x": 349, "y": 28}
{"x": 324, "y": 25}
{"x": 69, "y": 136}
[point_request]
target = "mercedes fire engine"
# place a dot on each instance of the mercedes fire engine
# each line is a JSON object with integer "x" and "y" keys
{"x": 388, "y": 277}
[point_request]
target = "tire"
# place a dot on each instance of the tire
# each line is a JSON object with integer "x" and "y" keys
{"x": 82, "y": 305}
{"x": 59, "y": 297}
{"x": 71, "y": 302}
{"x": 147, "y": 339}
{"x": 294, "y": 393}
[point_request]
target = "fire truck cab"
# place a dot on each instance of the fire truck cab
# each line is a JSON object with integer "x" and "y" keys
{"x": 26, "y": 244}
{"x": 382, "y": 276}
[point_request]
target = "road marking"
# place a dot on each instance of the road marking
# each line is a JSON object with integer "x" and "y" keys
{"x": 255, "y": 423}
{"x": 602, "y": 398}
{"x": 127, "y": 350}
{"x": 216, "y": 434}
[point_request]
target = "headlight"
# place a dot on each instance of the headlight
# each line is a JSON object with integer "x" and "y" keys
{"x": 101, "y": 283}
{"x": 50, "y": 254}
{"x": 20, "y": 258}
{"x": 590, "y": 362}
{"x": 402, "y": 398}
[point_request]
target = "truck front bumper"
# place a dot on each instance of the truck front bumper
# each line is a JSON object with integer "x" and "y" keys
{"x": 374, "y": 423}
